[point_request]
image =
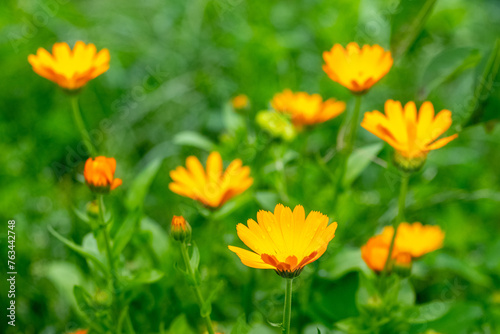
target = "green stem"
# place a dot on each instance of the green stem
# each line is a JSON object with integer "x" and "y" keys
{"x": 109, "y": 255}
{"x": 405, "y": 177}
{"x": 199, "y": 296}
{"x": 347, "y": 148}
{"x": 81, "y": 126}
{"x": 287, "y": 311}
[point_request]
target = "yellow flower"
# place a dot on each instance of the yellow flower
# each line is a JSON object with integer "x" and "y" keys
{"x": 240, "y": 101}
{"x": 100, "y": 174}
{"x": 412, "y": 241}
{"x": 285, "y": 241}
{"x": 415, "y": 239}
{"x": 70, "y": 69}
{"x": 306, "y": 109}
{"x": 411, "y": 135}
{"x": 357, "y": 69}
{"x": 180, "y": 229}
{"x": 213, "y": 187}
{"x": 81, "y": 331}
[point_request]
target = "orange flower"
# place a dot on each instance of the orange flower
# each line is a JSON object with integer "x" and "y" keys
{"x": 213, "y": 187}
{"x": 285, "y": 241}
{"x": 81, "y": 331}
{"x": 411, "y": 136}
{"x": 357, "y": 69}
{"x": 100, "y": 174}
{"x": 306, "y": 109}
{"x": 70, "y": 69}
{"x": 180, "y": 229}
{"x": 412, "y": 241}
{"x": 240, "y": 101}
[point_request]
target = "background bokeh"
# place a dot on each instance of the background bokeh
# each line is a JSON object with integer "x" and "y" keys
{"x": 174, "y": 67}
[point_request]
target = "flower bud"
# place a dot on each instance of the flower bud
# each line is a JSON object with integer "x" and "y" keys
{"x": 93, "y": 209}
{"x": 180, "y": 229}
{"x": 240, "y": 102}
{"x": 276, "y": 125}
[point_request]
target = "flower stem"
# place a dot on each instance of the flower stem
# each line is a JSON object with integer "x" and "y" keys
{"x": 109, "y": 254}
{"x": 403, "y": 190}
{"x": 199, "y": 296}
{"x": 287, "y": 311}
{"x": 347, "y": 148}
{"x": 81, "y": 126}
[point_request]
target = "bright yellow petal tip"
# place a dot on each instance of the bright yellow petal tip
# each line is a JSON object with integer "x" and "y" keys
{"x": 355, "y": 68}
{"x": 306, "y": 109}
{"x": 411, "y": 134}
{"x": 213, "y": 186}
{"x": 284, "y": 240}
{"x": 70, "y": 69}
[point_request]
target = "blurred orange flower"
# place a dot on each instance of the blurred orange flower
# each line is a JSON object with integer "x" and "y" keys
{"x": 213, "y": 187}
{"x": 411, "y": 136}
{"x": 240, "y": 101}
{"x": 99, "y": 174}
{"x": 306, "y": 109}
{"x": 355, "y": 68}
{"x": 81, "y": 331}
{"x": 180, "y": 229}
{"x": 412, "y": 241}
{"x": 70, "y": 69}
{"x": 285, "y": 241}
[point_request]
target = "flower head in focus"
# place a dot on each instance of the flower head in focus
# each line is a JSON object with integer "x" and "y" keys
{"x": 412, "y": 241}
{"x": 240, "y": 102}
{"x": 70, "y": 69}
{"x": 180, "y": 229}
{"x": 99, "y": 174}
{"x": 213, "y": 186}
{"x": 306, "y": 109}
{"x": 355, "y": 68}
{"x": 411, "y": 134}
{"x": 283, "y": 240}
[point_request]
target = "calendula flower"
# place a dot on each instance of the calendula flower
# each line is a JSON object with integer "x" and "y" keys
{"x": 70, "y": 69}
{"x": 212, "y": 187}
{"x": 412, "y": 241}
{"x": 306, "y": 109}
{"x": 99, "y": 174}
{"x": 180, "y": 229}
{"x": 411, "y": 135}
{"x": 285, "y": 241}
{"x": 240, "y": 101}
{"x": 355, "y": 68}
{"x": 81, "y": 331}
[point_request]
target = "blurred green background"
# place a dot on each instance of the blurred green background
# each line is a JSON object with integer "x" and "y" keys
{"x": 174, "y": 67}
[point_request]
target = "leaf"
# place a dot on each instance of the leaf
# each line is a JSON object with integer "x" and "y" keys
{"x": 84, "y": 302}
{"x": 445, "y": 66}
{"x": 429, "y": 312}
{"x": 125, "y": 232}
{"x": 82, "y": 215}
{"x": 180, "y": 325}
{"x": 241, "y": 326}
{"x": 448, "y": 263}
{"x": 346, "y": 260}
{"x": 140, "y": 186}
{"x": 147, "y": 276}
{"x": 359, "y": 160}
{"x": 195, "y": 258}
{"x": 484, "y": 88}
{"x": 64, "y": 276}
{"x": 406, "y": 294}
{"x": 267, "y": 199}
{"x": 78, "y": 249}
{"x": 194, "y": 139}
{"x": 408, "y": 23}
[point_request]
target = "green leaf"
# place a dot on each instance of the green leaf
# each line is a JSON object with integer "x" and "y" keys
{"x": 195, "y": 258}
{"x": 147, "y": 276}
{"x": 81, "y": 214}
{"x": 140, "y": 186}
{"x": 406, "y": 294}
{"x": 125, "y": 232}
{"x": 446, "y": 262}
{"x": 79, "y": 250}
{"x": 180, "y": 325}
{"x": 194, "y": 139}
{"x": 64, "y": 276}
{"x": 429, "y": 312}
{"x": 267, "y": 199}
{"x": 359, "y": 160}
{"x": 484, "y": 88}
{"x": 241, "y": 326}
{"x": 445, "y": 66}
{"x": 408, "y": 23}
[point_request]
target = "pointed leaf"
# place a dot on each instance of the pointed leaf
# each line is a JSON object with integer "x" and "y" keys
{"x": 140, "y": 186}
